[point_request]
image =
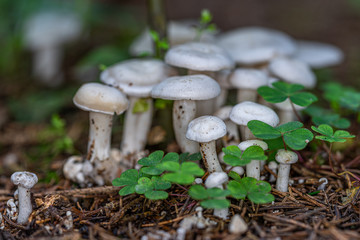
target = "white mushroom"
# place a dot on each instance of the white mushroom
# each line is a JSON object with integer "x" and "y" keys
{"x": 237, "y": 225}
{"x": 273, "y": 166}
{"x": 216, "y": 180}
{"x": 324, "y": 181}
{"x": 25, "y": 181}
{"x": 285, "y": 158}
{"x": 232, "y": 136}
{"x": 205, "y": 130}
{"x": 11, "y": 210}
{"x": 286, "y": 112}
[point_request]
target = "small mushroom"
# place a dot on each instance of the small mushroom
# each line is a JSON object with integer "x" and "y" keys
{"x": 323, "y": 182}
{"x": 273, "y": 166}
{"x": 237, "y": 225}
{"x": 216, "y": 180}
{"x": 25, "y": 181}
{"x": 285, "y": 158}
{"x": 286, "y": 112}
{"x": 232, "y": 136}
{"x": 205, "y": 130}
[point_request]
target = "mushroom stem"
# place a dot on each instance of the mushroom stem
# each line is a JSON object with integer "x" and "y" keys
{"x": 286, "y": 116}
{"x": 25, "y": 206}
{"x": 208, "y": 153}
{"x": 232, "y": 135}
{"x": 253, "y": 169}
{"x": 183, "y": 112}
{"x": 246, "y": 95}
{"x": 283, "y": 177}
{"x": 136, "y": 127}
{"x": 221, "y": 99}
{"x": 246, "y": 134}
{"x": 99, "y": 136}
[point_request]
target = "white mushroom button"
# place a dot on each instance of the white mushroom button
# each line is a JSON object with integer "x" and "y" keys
{"x": 232, "y": 136}
{"x": 217, "y": 179}
{"x": 285, "y": 158}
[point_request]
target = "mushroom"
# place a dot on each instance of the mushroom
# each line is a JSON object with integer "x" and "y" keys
{"x": 45, "y": 33}
{"x": 273, "y": 166}
{"x": 237, "y": 225}
{"x": 246, "y": 111}
{"x": 253, "y": 168}
{"x": 232, "y": 135}
{"x": 136, "y": 78}
{"x": 185, "y": 90}
{"x": 222, "y": 77}
{"x": 102, "y": 102}
{"x": 286, "y": 112}
{"x": 285, "y": 158}
{"x": 247, "y": 81}
{"x": 323, "y": 182}
{"x": 216, "y": 180}
{"x": 205, "y": 130}
{"x": 25, "y": 181}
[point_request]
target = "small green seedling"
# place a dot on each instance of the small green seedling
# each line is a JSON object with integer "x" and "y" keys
{"x": 323, "y": 116}
{"x": 205, "y": 24}
{"x": 328, "y": 134}
{"x": 214, "y": 198}
{"x": 152, "y": 163}
{"x": 140, "y": 106}
{"x": 161, "y": 44}
{"x": 291, "y": 134}
{"x": 235, "y": 157}
{"x": 256, "y": 191}
{"x": 181, "y": 173}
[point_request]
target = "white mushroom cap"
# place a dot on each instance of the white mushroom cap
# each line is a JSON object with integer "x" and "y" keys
{"x": 273, "y": 165}
{"x": 239, "y": 170}
{"x": 199, "y": 56}
{"x": 136, "y": 77}
{"x": 246, "y": 78}
{"x": 216, "y": 179}
{"x": 252, "y": 45}
{"x": 190, "y": 87}
{"x": 224, "y": 113}
{"x": 205, "y": 129}
{"x": 293, "y": 71}
{"x": 51, "y": 28}
{"x": 24, "y": 179}
{"x": 286, "y": 106}
{"x": 248, "y": 143}
{"x": 100, "y": 98}
{"x": 319, "y": 55}
{"x": 286, "y": 157}
{"x": 246, "y": 111}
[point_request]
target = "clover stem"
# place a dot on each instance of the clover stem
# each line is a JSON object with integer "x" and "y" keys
{"x": 296, "y": 113}
{"x": 282, "y": 137}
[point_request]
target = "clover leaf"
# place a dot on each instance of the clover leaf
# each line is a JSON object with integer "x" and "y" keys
{"x": 129, "y": 179}
{"x": 153, "y": 161}
{"x": 329, "y": 135}
{"x": 184, "y": 157}
{"x": 181, "y": 173}
{"x": 213, "y": 198}
{"x": 324, "y": 116}
{"x": 235, "y": 157}
{"x": 281, "y": 91}
{"x": 152, "y": 188}
{"x": 256, "y": 191}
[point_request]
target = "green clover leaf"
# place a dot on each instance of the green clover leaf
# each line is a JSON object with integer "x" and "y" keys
{"x": 323, "y": 116}
{"x": 329, "y": 135}
{"x": 181, "y": 173}
{"x": 214, "y": 198}
{"x": 152, "y": 163}
{"x": 235, "y": 157}
{"x": 129, "y": 179}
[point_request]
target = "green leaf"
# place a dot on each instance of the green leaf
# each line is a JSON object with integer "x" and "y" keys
{"x": 287, "y": 88}
{"x": 192, "y": 168}
{"x": 179, "y": 178}
{"x": 160, "y": 183}
{"x": 198, "y": 192}
{"x": 298, "y": 139}
{"x": 156, "y": 195}
{"x": 261, "y": 198}
{"x": 303, "y": 99}
{"x": 140, "y": 106}
{"x": 170, "y": 166}
{"x": 206, "y": 16}
{"x": 254, "y": 153}
{"x": 194, "y": 157}
{"x": 144, "y": 185}
{"x": 154, "y": 35}
{"x": 171, "y": 157}
{"x": 153, "y": 159}
{"x": 162, "y": 103}
{"x": 128, "y": 177}
{"x": 271, "y": 95}
{"x": 234, "y": 175}
{"x": 237, "y": 190}
{"x": 127, "y": 190}
{"x": 329, "y": 135}
{"x": 153, "y": 170}
{"x": 289, "y": 126}
{"x": 323, "y": 129}
{"x": 263, "y": 130}
{"x": 343, "y": 134}
{"x": 215, "y": 203}
{"x": 217, "y": 192}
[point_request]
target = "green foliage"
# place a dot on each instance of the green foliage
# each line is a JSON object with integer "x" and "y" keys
{"x": 328, "y": 134}
{"x": 256, "y": 191}
{"x": 162, "y": 103}
{"x": 291, "y": 133}
{"x": 161, "y": 43}
{"x": 128, "y": 179}
{"x": 235, "y": 157}
{"x": 205, "y": 24}
{"x": 181, "y": 173}
{"x": 323, "y": 116}
{"x": 140, "y": 106}
{"x": 185, "y": 157}
{"x": 281, "y": 91}
{"x": 213, "y": 198}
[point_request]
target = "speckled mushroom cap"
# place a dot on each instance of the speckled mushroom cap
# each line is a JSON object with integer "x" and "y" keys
{"x": 246, "y": 78}
{"x": 223, "y": 113}
{"x": 216, "y": 179}
{"x": 206, "y": 129}
{"x": 136, "y": 77}
{"x": 199, "y": 56}
{"x": 100, "y": 98}
{"x": 190, "y": 87}
{"x": 252, "y": 45}
{"x": 24, "y": 179}
{"x": 246, "y": 111}
{"x": 248, "y": 143}
{"x": 293, "y": 71}
{"x": 286, "y": 106}
{"x": 286, "y": 157}
{"x": 319, "y": 55}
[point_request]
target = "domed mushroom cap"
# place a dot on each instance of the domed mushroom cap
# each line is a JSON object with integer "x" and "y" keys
{"x": 190, "y": 87}
{"x": 51, "y": 28}
{"x": 216, "y": 179}
{"x": 286, "y": 157}
{"x": 100, "y": 98}
{"x": 199, "y": 56}
{"x": 252, "y": 45}
{"x": 273, "y": 165}
{"x": 248, "y": 78}
{"x": 319, "y": 55}
{"x": 286, "y": 106}
{"x": 246, "y": 144}
{"x": 24, "y": 179}
{"x": 136, "y": 77}
{"x": 246, "y": 111}
{"x": 205, "y": 129}
{"x": 293, "y": 71}
{"x": 223, "y": 113}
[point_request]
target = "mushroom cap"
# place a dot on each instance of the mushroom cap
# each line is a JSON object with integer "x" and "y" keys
{"x": 286, "y": 106}
{"x": 216, "y": 179}
{"x": 199, "y": 56}
{"x": 96, "y": 97}
{"x": 293, "y": 71}
{"x": 273, "y": 165}
{"x": 246, "y": 111}
{"x": 223, "y": 113}
{"x": 48, "y": 29}
{"x": 205, "y": 129}
{"x": 136, "y": 77}
{"x": 24, "y": 179}
{"x": 286, "y": 157}
{"x": 252, "y": 45}
{"x": 319, "y": 55}
{"x": 245, "y": 78}
{"x": 190, "y": 87}
{"x": 248, "y": 143}
{"x": 238, "y": 170}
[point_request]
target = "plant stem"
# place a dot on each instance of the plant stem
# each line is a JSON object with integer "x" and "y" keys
{"x": 296, "y": 113}
{"x": 157, "y": 22}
